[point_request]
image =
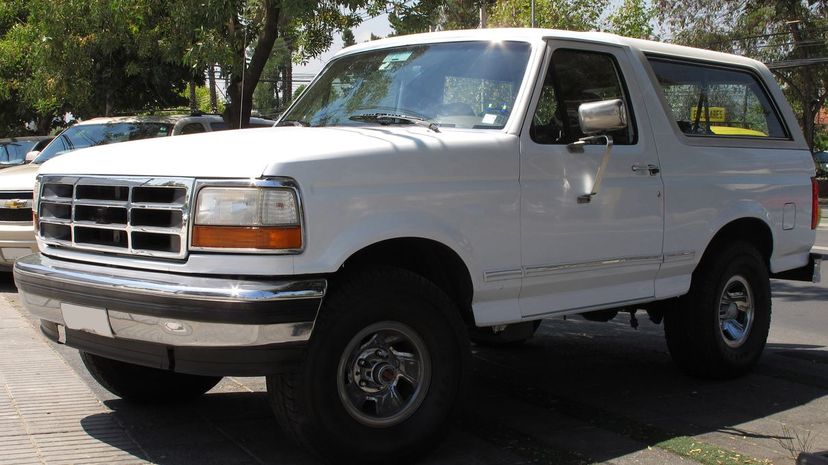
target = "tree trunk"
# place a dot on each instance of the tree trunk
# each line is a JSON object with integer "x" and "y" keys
{"x": 44, "y": 124}
{"x": 193, "y": 101}
{"x": 211, "y": 79}
{"x": 810, "y": 98}
{"x": 243, "y": 82}
{"x": 288, "y": 83}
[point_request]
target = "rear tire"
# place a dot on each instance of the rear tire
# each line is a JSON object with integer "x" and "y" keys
{"x": 720, "y": 327}
{"x": 143, "y": 384}
{"x": 382, "y": 374}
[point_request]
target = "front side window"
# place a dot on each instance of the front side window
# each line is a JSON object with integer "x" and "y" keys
{"x": 463, "y": 84}
{"x": 89, "y": 135}
{"x": 575, "y": 77}
{"x": 711, "y": 101}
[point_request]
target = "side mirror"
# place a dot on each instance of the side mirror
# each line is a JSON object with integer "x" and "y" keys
{"x": 602, "y": 116}
{"x": 30, "y": 156}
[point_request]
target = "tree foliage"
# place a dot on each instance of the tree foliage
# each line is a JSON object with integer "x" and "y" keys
{"x": 430, "y": 15}
{"x": 91, "y": 58}
{"x": 633, "y": 18}
{"x": 96, "y": 57}
{"x": 787, "y": 34}
{"x": 574, "y": 15}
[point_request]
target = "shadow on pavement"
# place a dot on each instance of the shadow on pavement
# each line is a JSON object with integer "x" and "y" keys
{"x": 792, "y": 291}
{"x": 220, "y": 428}
{"x": 579, "y": 392}
{"x": 7, "y": 282}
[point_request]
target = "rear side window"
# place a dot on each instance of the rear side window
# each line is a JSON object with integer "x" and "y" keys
{"x": 711, "y": 101}
{"x": 192, "y": 128}
{"x": 575, "y": 77}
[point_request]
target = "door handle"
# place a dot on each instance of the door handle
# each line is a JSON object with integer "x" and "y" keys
{"x": 651, "y": 169}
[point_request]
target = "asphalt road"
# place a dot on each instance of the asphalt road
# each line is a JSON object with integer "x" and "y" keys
{"x": 579, "y": 392}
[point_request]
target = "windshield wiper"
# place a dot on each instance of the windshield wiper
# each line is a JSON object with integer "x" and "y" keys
{"x": 293, "y": 122}
{"x": 392, "y": 118}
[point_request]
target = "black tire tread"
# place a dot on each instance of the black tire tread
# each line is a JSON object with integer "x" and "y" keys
{"x": 693, "y": 346}
{"x": 284, "y": 388}
{"x": 143, "y": 384}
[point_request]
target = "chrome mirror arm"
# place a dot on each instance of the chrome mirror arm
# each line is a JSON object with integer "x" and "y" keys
{"x": 599, "y": 176}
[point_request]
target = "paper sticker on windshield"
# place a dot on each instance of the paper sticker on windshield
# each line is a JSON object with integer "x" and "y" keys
{"x": 489, "y": 118}
{"x": 394, "y": 58}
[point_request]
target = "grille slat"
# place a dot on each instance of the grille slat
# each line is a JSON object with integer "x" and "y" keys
{"x": 15, "y": 206}
{"x": 16, "y": 214}
{"x": 135, "y": 216}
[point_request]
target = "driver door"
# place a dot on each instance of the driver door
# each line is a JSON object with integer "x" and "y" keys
{"x": 579, "y": 256}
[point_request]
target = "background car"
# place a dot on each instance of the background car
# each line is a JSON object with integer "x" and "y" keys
{"x": 13, "y": 151}
{"x": 821, "y": 161}
{"x": 17, "y": 183}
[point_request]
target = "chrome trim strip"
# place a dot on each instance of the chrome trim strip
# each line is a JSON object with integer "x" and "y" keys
{"x": 679, "y": 256}
{"x": 502, "y": 275}
{"x": 184, "y": 333}
{"x": 178, "y": 332}
{"x": 542, "y": 270}
{"x": 185, "y": 287}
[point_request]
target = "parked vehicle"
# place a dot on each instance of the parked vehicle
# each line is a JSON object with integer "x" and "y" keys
{"x": 16, "y": 184}
{"x": 13, "y": 151}
{"x": 821, "y": 161}
{"x": 423, "y": 190}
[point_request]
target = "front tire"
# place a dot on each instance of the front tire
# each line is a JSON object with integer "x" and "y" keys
{"x": 720, "y": 327}
{"x": 383, "y": 371}
{"x": 143, "y": 384}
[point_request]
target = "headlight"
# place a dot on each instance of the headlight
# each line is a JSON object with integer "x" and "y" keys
{"x": 247, "y": 218}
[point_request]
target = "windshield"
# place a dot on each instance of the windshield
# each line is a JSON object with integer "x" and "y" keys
{"x": 89, "y": 135}
{"x": 14, "y": 152}
{"x": 462, "y": 84}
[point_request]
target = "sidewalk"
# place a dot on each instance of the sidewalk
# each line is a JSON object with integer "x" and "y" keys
{"x": 47, "y": 414}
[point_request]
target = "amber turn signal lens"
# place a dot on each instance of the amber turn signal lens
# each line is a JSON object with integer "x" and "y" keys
{"x": 247, "y": 237}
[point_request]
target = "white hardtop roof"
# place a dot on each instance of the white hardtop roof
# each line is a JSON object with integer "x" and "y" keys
{"x": 172, "y": 119}
{"x": 537, "y": 35}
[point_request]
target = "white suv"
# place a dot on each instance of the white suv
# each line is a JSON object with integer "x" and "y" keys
{"x": 430, "y": 188}
{"x": 16, "y": 184}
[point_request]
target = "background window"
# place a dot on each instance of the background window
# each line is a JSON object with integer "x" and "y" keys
{"x": 711, "y": 101}
{"x": 575, "y": 77}
{"x": 192, "y": 128}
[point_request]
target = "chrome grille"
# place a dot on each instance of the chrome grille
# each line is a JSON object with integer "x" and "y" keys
{"x": 15, "y": 206}
{"x": 125, "y": 215}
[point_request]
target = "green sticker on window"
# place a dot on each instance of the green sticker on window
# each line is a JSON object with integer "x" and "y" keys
{"x": 395, "y": 58}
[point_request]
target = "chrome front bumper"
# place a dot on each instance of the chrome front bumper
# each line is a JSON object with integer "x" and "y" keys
{"x": 168, "y": 311}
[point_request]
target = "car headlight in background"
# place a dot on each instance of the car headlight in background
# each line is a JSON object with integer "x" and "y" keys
{"x": 260, "y": 218}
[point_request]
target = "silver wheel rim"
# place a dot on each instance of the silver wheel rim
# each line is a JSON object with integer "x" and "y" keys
{"x": 384, "y": 374}
{"x": 736, "y": 310}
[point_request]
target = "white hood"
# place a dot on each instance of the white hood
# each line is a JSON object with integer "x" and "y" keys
{"x": 251, "y": 153}
{"x": 18, "y": 178}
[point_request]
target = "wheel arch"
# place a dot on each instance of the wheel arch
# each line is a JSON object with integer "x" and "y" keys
{"x": 752, "y": 230}
{"x": 428, "y": 258}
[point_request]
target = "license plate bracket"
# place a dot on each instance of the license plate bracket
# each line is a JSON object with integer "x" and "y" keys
{"x": 90, "y": 319}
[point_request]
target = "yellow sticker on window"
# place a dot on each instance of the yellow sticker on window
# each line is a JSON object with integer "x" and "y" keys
{"x": 717, "y": 114}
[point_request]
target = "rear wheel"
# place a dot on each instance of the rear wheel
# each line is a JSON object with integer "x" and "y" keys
{"x": 720, "y": 327}
{"x": 144, "y": 384}
{"x": 383, "y": 371}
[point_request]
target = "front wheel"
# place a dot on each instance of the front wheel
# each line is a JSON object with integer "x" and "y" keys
{"x": 720, "y": 327}
{"x": 143, "y": 384}
{"x": 382, "y": 374}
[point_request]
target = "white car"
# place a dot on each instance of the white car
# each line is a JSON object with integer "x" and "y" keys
{"x": 423, "y": 189}
{"x": 16, "y": 184}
